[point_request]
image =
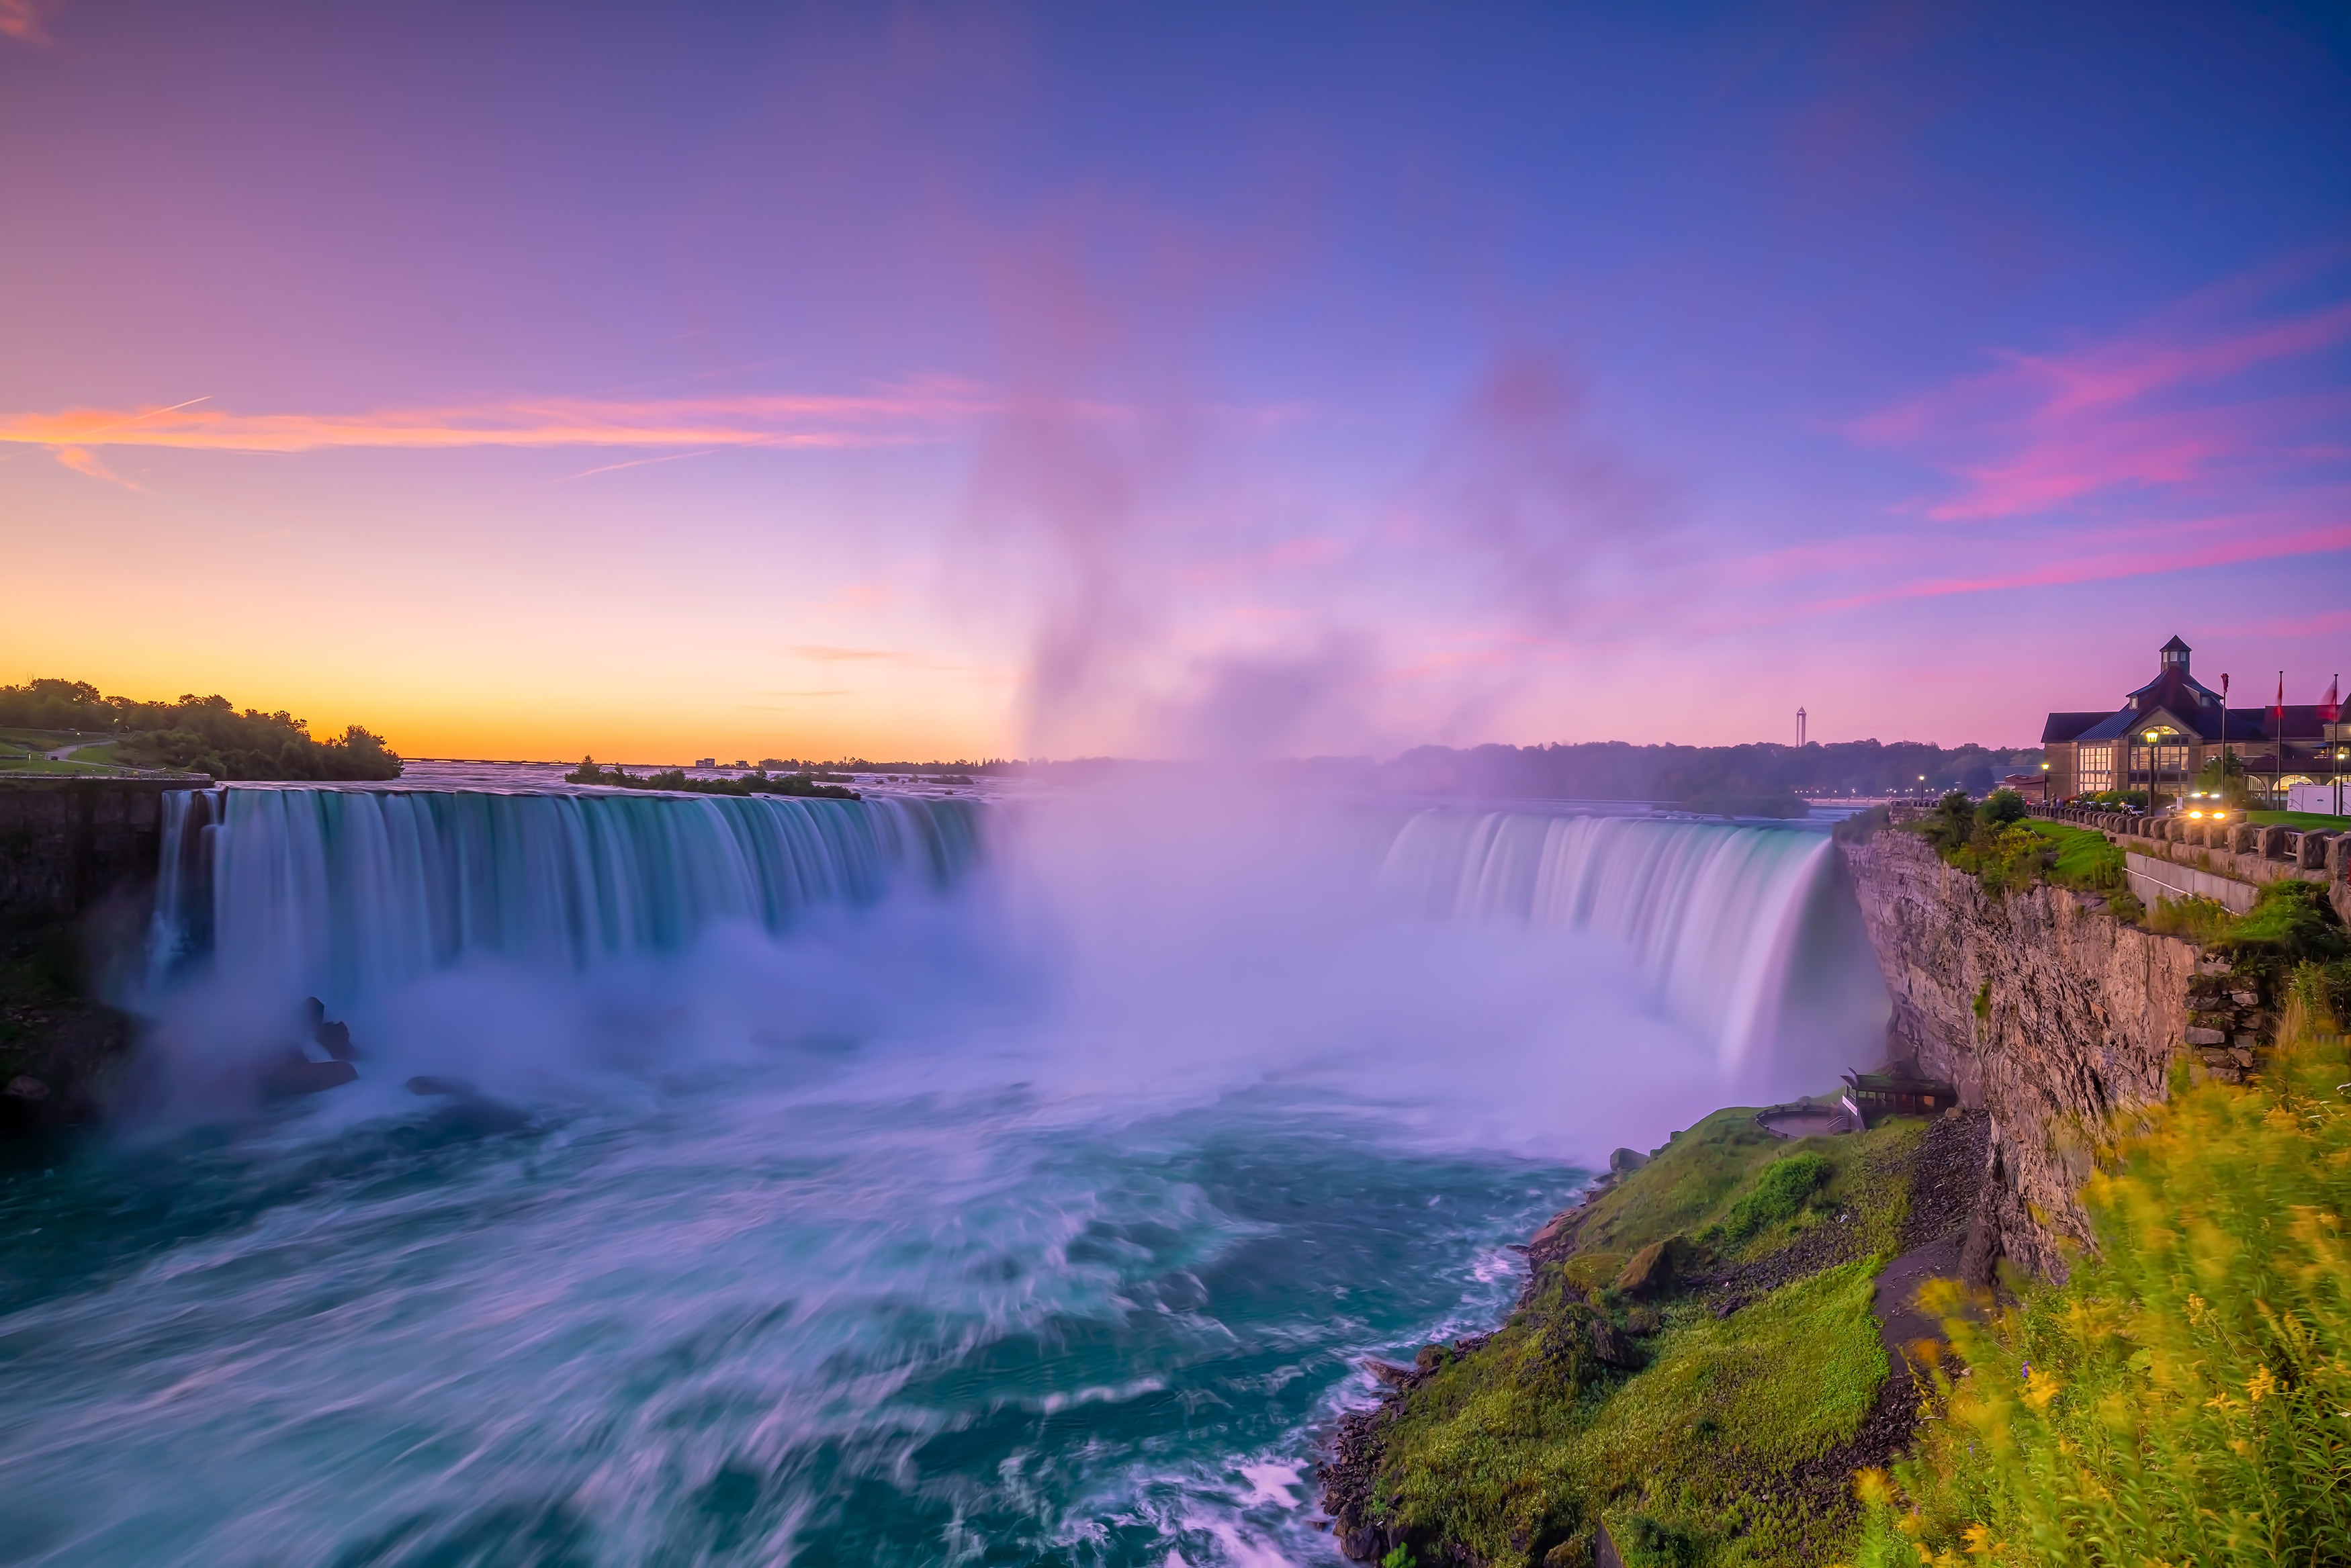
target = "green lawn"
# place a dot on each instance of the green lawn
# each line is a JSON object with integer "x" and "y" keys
{"x": 47, "y": 739}
{"x": 2298, "y": 819}
{"x": 37, "y": 765}
{"x": 2085, "y": 859}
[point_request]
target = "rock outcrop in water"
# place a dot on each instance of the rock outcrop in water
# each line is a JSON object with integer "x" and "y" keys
{"x": 2040, "y": 1007}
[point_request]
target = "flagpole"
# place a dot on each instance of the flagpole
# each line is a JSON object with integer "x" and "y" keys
{"x": 2335, "y": 735}
{"x": 2277, "y": 774}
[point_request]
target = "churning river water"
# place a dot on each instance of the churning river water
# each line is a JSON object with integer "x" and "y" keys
{"x": 870, "y": 1183}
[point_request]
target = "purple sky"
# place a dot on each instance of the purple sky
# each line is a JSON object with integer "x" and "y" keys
{"x": 675, "y": 380}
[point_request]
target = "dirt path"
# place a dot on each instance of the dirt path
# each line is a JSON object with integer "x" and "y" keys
{"x": 1900, "y": 1323}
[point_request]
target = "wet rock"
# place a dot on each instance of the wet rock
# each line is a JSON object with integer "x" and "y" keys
{"x": 24, "y": 1086}
{"x": 1647, "y": 1272}
{"x": 1390, "y": 1375}
{"x": 1613, "y": 1349}
{"x": 1431, "y": 1357}
{"x": 1558, "y": 1227}
{"x": 334, "y": 1039}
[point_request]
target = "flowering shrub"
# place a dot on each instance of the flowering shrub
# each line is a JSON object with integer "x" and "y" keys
{"x": 2186, "y": 1395}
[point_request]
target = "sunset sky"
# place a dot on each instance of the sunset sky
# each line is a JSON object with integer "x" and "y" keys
{"x": 662, "y": 381}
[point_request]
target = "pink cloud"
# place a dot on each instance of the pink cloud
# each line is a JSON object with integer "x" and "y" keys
{"x": 2189, "y": 404}
{"x": 2146, "y": 552}
{"x": 81, "y": 461}
{"x": 23, "y": 20}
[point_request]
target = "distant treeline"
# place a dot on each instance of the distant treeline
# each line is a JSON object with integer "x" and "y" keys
{"x": 757, "y": 782}
{"x": 1612, "y": 769}
{"x": 1759, "y": 779}
{"x": 198, "y": 734}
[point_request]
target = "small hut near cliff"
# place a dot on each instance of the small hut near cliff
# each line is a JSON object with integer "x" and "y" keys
{"x": 1897, "y": 1087}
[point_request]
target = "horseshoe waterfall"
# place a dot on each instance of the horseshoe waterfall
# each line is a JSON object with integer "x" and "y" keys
{"x": 904, "y": 1180}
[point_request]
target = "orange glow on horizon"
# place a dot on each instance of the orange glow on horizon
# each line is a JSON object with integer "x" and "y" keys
{"x": 783, "y": 421}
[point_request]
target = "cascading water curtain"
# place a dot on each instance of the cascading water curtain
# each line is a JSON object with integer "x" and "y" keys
{"x": 349, "y": 892}
{"x": 1711, "y": 911}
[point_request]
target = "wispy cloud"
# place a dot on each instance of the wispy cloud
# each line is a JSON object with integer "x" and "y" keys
{"x": 81, "y": 461}
{"x": 2202, "y": 401}
{"x": 895, "y": 418}
{"x": 2138, "y": 552}
{"x": 25, "y": 20}
{"x": 637, "y": 462}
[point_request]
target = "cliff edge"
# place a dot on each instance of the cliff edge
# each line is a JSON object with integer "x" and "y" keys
{"x": 2040, "y": 1008}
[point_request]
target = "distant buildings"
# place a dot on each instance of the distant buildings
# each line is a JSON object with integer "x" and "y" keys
{"x": 2032, "y": 787}
{"x": 2169, "y": 728}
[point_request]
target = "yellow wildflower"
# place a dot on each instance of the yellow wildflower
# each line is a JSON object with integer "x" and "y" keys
{"x": 2259, "y": 1383}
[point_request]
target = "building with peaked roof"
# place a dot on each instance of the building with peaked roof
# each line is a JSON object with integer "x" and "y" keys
{"x": 2169, "y": 728}
{"x": 1897, "y": 1087}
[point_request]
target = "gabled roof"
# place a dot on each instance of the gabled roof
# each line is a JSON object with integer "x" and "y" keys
{"x": 1899, "y": 1077}
{"x": 2175, "y": 646}
{"x": 2066, "y": 726}
{"x": 2175, "y": 688}
{"x": 2175, "y": 698}
{"x": 2247, "y": 724}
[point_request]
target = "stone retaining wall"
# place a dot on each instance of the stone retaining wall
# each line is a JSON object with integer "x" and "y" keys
{"x": 2154, "y": 880}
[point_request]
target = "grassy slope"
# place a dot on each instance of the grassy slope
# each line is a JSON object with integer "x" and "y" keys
{"x": 1526, "y": 1441}
{"x": 1695, "y": 1176}
{"x": 2299, "y": 819}
{"x": 2085, "y": 859}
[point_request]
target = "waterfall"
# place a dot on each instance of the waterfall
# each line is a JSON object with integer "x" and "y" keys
{"x": 1711, "y": 912}
{"x": 347, "y": 893}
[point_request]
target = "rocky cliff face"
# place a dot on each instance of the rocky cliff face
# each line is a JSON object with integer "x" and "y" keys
{"x": 68, "y": 844}
{"x": 2040, "y": 1008}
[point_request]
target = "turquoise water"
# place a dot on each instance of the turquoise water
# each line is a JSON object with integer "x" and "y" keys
{"x": 842, "y": 1187}
{"x": 765, "y": 1320}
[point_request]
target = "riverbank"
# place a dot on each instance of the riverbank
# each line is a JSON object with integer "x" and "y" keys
{"x": 61, "y": 1051}
{"x": 1705, "y": 1352}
